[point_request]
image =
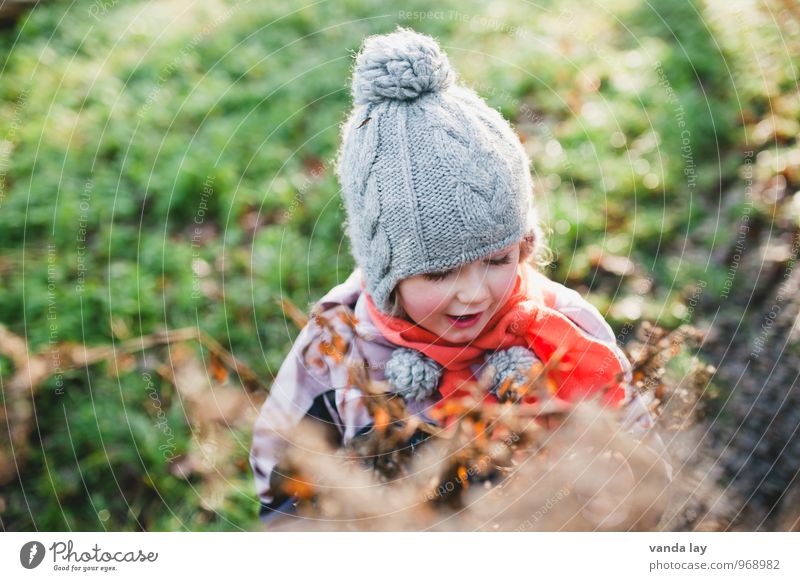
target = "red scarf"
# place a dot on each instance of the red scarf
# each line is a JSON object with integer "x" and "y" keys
{"x": 527, "y": 319}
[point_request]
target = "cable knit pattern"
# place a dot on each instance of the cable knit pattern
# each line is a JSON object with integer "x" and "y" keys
{"x": 412, "y": 374}
{"x": 431, "y": 176}
{"x": 376, "y": 247}
{"x": 514, "y": 362}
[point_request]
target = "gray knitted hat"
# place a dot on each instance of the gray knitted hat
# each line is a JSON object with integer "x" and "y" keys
{"x": 431, "y": 176}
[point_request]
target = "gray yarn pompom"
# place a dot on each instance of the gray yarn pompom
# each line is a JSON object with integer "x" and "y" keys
{"x": 514, "y": 362}
{"x": 400, "y": 66}
{"x": 412, "y": 374}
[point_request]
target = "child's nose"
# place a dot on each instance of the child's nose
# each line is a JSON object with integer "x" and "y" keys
{"x": 473, "y": 288}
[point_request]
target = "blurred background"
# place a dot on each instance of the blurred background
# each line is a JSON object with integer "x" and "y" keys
{"x": 166, "y": 180}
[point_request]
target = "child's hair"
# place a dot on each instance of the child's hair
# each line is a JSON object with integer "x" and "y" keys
{"x": 532, "y": 249}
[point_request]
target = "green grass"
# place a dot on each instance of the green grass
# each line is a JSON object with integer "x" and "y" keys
{"x": 143, "y": 152}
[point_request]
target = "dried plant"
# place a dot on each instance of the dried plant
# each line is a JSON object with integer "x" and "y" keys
{"x": 488, "y": 465}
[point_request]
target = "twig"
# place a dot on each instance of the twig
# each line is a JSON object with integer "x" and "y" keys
{"x": 30, "y": 371}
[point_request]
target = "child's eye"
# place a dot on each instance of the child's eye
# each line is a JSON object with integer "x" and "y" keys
{"x": 499, "y": 261}
{"x": 445, "y": 273}
{"x": 438, "y": 275}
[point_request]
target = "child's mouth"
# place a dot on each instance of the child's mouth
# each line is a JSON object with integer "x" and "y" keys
{"x": 464, "y": 320}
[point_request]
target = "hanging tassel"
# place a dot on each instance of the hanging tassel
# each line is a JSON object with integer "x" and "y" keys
{"x": 514, "y": 363}
{"x": 413, "y": 375}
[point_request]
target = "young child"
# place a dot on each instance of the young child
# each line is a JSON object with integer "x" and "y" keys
{"x": 438, "y": 197}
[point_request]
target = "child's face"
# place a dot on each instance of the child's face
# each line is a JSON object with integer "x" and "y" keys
{"x": 479, "y": 288}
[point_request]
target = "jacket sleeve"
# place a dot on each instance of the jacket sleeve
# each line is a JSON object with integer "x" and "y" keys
{"x": 637, "y": 420}
{"x": 296, "y": 385}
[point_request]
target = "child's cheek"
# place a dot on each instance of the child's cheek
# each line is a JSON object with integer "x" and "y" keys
{"x": 422, "y": 299}
{"x": 430, "y": 302}
{"x": 502, "y": 282}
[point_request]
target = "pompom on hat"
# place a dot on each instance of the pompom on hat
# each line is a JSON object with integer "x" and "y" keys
{"x": 431, "y": 176}
{"x": 401, "y": 67}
